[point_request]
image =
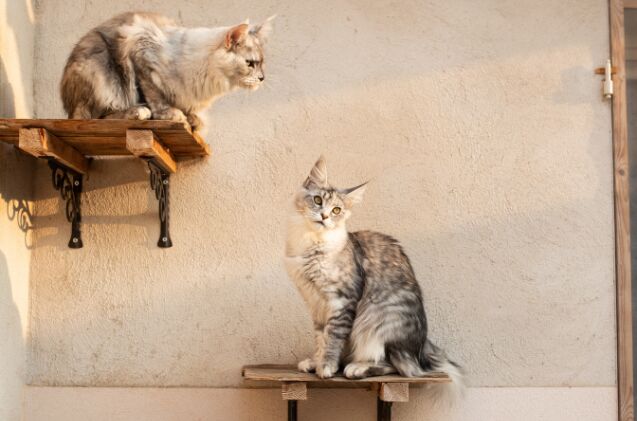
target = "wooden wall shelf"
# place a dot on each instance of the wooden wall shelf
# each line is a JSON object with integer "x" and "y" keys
{"x": 294, "y": 385}
{"x": 68, "y": 145}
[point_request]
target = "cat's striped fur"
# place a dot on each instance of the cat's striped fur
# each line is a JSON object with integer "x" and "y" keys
{"x": 360, "y": 287}
{"x": 142, "y": 65}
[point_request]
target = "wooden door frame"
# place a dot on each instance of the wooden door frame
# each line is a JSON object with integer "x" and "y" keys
{"x": 622, "y": 213}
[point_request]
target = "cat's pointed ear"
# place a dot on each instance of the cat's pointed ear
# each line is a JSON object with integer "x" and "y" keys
{"x": 318, "y": 175}
{"x": 264, "y": 29}
{"x": 354, "y": 195}
{"x": 236, "y": 34}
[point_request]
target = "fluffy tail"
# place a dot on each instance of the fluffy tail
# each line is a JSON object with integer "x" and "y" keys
{"x": 431, "y": 359}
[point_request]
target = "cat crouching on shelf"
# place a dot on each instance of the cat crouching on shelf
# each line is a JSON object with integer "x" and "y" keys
{"x": 142, "y": 65}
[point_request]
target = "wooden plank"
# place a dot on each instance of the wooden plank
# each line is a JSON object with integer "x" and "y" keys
{"x": 286, "y": 373}
{"x": 622, "y": 217}
{"x": 40, "y": 143}
{"x": 107, "y": 137}
{"x": 144, "y": 144}
{"x": 295, "y": 391}
{"x": 93, "y": 126}
{"x": 630, "y": 4}
{"x": 394, "y": 392}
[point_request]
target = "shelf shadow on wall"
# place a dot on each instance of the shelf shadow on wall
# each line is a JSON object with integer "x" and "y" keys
{"x": 109, "y": 181}
{"x": 15, "y": 189}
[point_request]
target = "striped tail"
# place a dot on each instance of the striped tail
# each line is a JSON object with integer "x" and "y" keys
{"x": 433, "y": 358}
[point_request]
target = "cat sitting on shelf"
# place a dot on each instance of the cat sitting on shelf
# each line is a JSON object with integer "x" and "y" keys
{"x": 361, "y": 290}
{"x": 142, "y": 65}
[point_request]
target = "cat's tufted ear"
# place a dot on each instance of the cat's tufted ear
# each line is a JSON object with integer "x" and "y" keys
{"x": 264, "y": 29}
{"x": 236, "y": 34}
{"x": 354, "y": 195}
{"x": 318, "y": 175}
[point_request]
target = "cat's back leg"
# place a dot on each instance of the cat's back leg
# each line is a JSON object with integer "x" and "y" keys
{"x": 80, "y": 112}
{"x": 361, "y": 370}
{"x": 77, "y": 92}
{"x": 406, "y": 363}
{"x": 95, "y": 80}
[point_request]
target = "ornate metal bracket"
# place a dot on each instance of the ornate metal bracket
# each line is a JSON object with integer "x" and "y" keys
{"x": 159, "y": 181}
{"x": 69, "y": 184}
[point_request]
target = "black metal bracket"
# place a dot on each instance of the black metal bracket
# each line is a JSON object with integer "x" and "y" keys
{"x": 383, "y": 410}
{"x": 159, "y": 181}
{"x": 292, "y": 410}
{"x": 69, "y": 183}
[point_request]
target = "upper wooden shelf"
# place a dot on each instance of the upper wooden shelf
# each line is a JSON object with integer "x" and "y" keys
{"x": 108, "y": 137}
{"x": 68, "y": 144}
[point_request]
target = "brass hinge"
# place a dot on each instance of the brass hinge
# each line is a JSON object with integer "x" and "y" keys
{"x": 607, "y": 85}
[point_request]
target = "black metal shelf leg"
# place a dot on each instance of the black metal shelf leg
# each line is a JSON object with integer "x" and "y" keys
{"x": 383, "y": 410}
{"x": 159, "y": 181}
{"x": 69, "y": 184}
{"x": 292, "y": 410}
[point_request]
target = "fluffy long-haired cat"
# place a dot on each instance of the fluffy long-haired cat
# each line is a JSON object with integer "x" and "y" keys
{"x": 142, "y": 65}
{"x": 363, "y": 296}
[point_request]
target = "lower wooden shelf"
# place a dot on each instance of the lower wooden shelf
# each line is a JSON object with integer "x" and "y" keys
{"x": 69, "y": 145}
{"x": 294, "y": 385}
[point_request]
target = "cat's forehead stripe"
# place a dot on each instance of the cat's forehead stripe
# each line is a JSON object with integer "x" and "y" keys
{"x": 329, "y": 194}
{"x": 255, "y": 55}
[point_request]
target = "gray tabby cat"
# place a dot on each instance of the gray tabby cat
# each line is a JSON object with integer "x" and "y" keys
{"x": 142, "y": 65}
{"x": 361, "y": 290}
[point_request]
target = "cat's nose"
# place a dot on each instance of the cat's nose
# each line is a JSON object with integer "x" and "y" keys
{"x": 324, "y": 216}
{"x": 261, "y": 78}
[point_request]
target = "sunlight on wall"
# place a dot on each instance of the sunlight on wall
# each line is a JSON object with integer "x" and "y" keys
{"x": 16, "y": 205}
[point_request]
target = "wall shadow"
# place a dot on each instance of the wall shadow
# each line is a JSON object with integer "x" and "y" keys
{"x": 12, "y": 349}
{"x": 108, "y": 180}
{"x": 16, "y": 190}
{"x": 16, "y": 193}
{"x": 16, "y": 181}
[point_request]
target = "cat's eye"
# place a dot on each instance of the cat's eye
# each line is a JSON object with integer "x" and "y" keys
{"x": 336, "y": 210}
{"x": 251, "y": 63}
{"x": 318, "y": 200}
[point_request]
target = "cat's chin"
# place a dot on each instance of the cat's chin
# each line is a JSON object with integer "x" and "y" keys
{"x": 251, "y": 86}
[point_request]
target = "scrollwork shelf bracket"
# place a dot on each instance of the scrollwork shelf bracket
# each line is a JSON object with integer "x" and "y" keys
{"x": 69, "y": 184}
{"x": 159, "y": 182}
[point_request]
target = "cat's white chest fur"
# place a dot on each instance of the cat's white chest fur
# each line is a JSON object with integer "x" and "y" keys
{"x": 311, "y": 267}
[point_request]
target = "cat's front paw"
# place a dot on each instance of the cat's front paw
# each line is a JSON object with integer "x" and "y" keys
{"x": 172, "y": 114}
{"x": 307, "y": 366}
{"x": 326, "y": 370}
{"x": 195, "y": 122}
{"x": 138, "y": 112}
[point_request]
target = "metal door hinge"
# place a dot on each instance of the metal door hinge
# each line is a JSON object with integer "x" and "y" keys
{"x": 607, "y": 84}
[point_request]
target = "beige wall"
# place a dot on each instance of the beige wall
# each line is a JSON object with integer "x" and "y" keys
{"x": 483, "y": 130}
{"x": 176, "y": 404}
{"x": 16, "y": 100}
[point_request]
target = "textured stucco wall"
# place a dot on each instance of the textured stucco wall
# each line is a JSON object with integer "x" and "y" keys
{"x": 16, "y": 100}
{"x": 482, "y": 128}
